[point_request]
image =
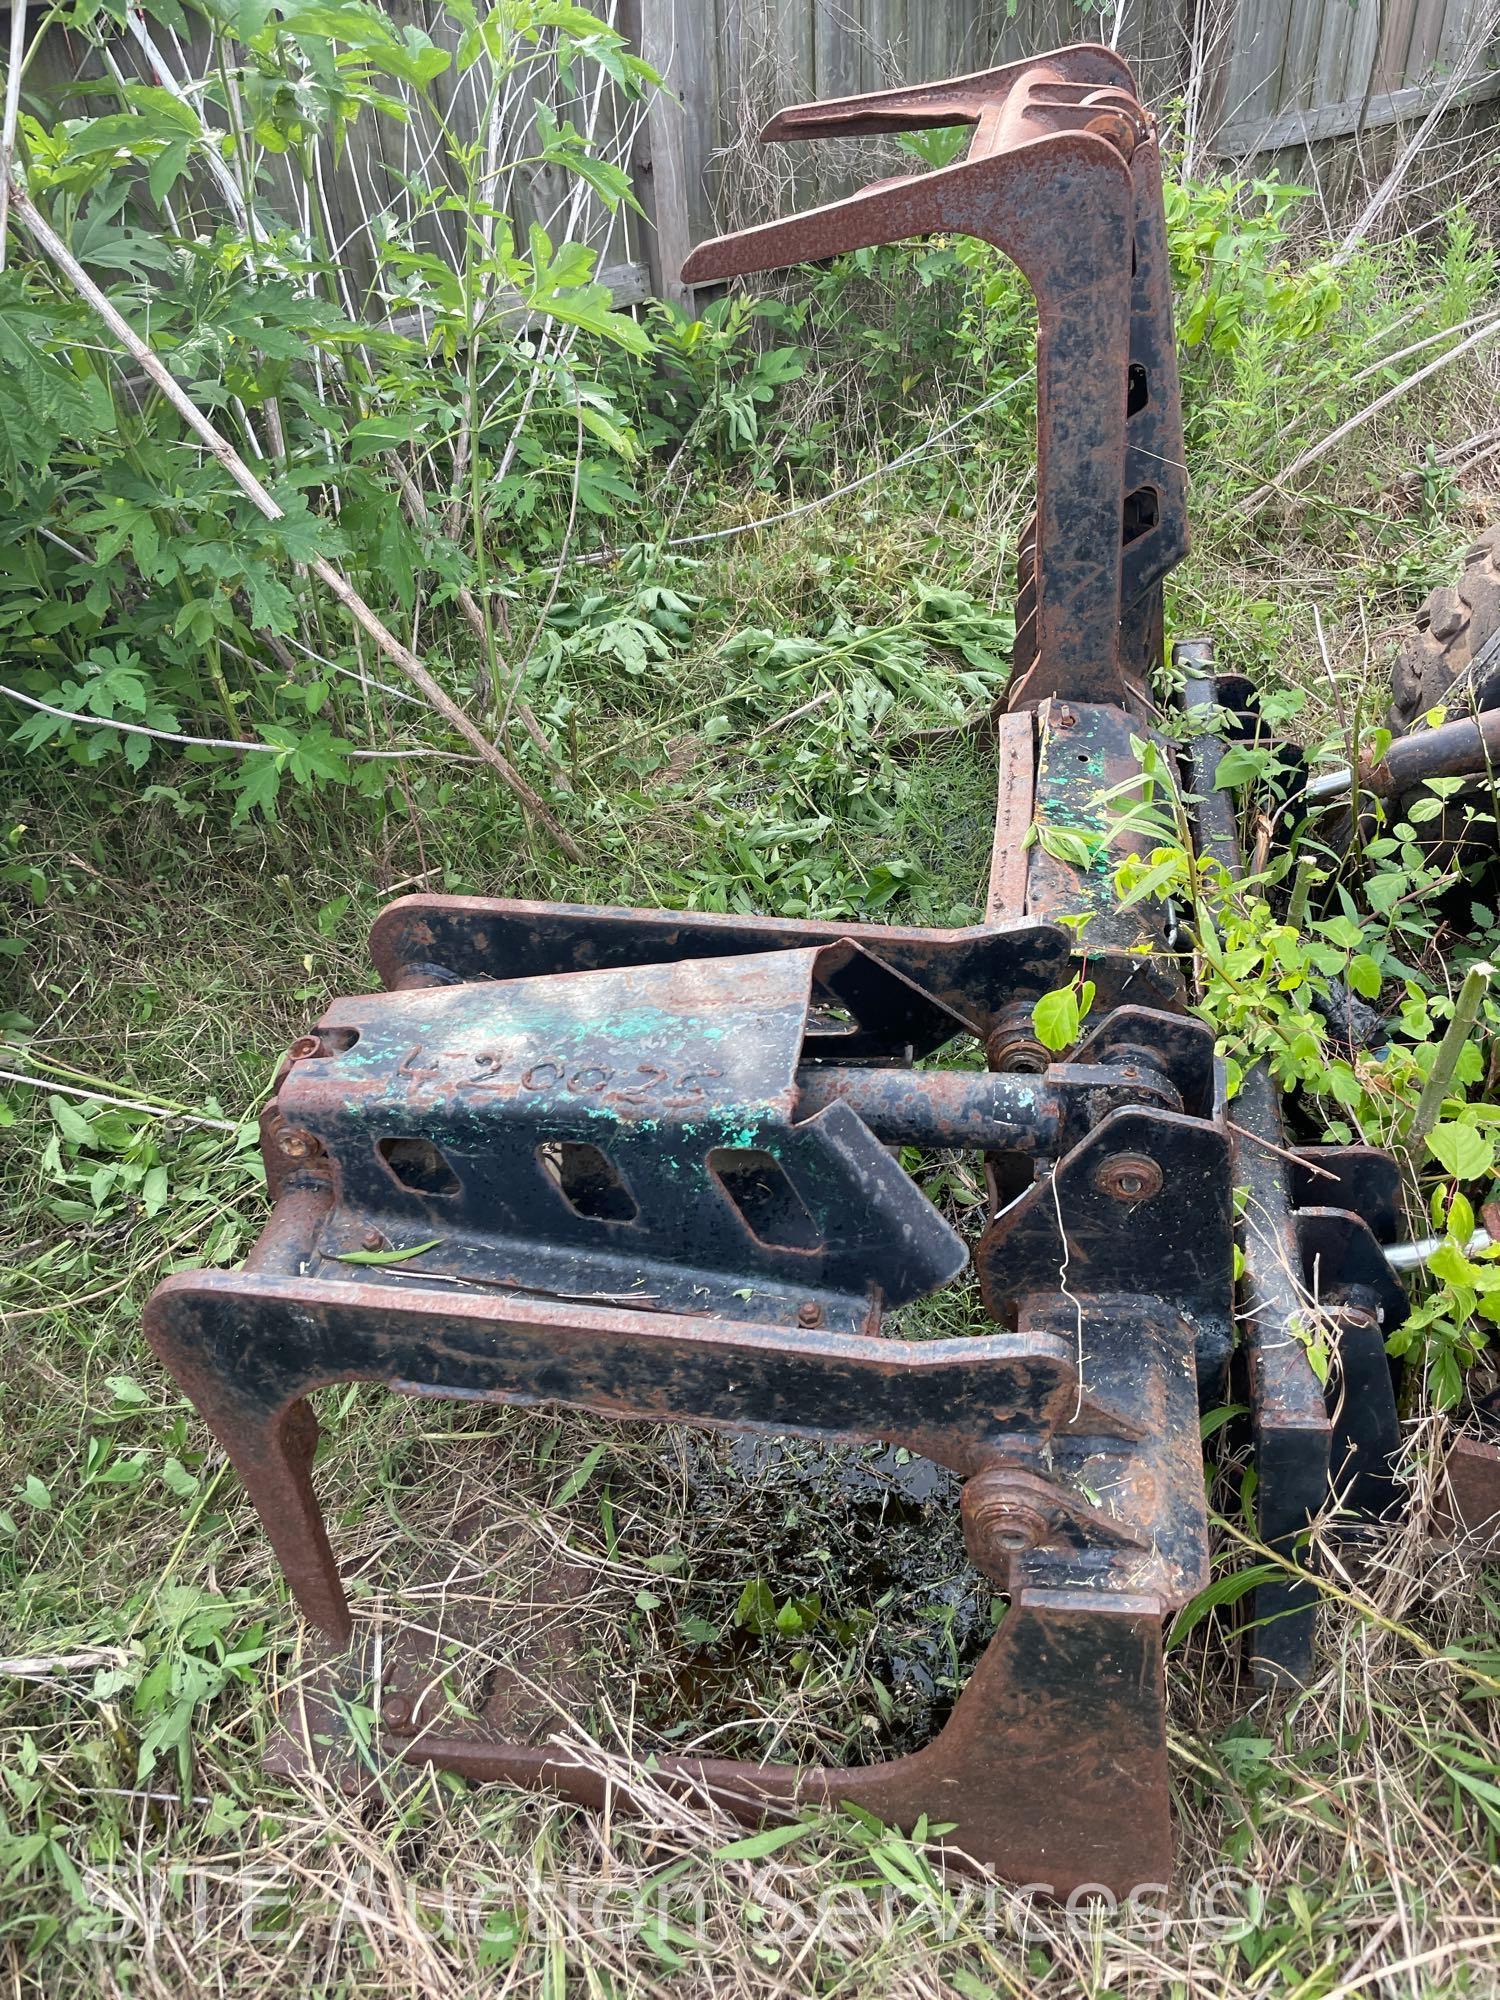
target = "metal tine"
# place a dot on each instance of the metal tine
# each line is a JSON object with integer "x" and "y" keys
{"x": 864, "y": 219}
{"x": 858, "y": 222}
{"x": 959, "y": 100}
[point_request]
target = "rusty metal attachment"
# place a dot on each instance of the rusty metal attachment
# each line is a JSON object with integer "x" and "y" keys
{"x": 640, "y": 1162}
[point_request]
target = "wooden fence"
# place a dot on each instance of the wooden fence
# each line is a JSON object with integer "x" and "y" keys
{"x": 1247, "y": 76}
{"x": 1296, "y": 71}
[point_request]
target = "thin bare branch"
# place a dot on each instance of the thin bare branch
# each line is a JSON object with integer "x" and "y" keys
{"x": 52, "y": 245}
{"x": 213, "y": 742}
{"x": 1340, "y": 431}
{"x": 12, "y": 114}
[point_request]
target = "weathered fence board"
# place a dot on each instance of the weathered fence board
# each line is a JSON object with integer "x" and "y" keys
{"x": 1297, "y": 71}
{"x": 1254, "y": 76}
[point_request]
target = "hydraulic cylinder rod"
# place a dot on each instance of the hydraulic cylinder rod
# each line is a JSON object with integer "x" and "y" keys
{"x": 977, "y": 1111}
{"x": 1463, "y": 749}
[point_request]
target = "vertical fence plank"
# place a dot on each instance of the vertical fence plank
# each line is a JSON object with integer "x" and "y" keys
{"x": 1333, "y": 52}
{"x": 967, "y": 36}
{"x": 1261, "y": 32}
{"x": 886, "y": 55}
{"x": 838, "y": 34}
{"x": 1156, "y": 47}
{"x": 1460, "y": 24}
{"x": 929, "y": 48}
{"x": 675, "y": 153}
{"x": 1364, "y": 44}
{"x": 1296, "y": 86}
{"x": 1395, "y": 42}
{"x": 1426, "y": 39}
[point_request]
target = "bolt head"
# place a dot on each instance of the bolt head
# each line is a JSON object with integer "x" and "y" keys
{"x": 294, "y": 1145}
{"x": 371, "y": 1239}
{"x": 1128, "y": 1177}
{"x": 809, "y": 1313}
{"x": 306, "y": 1045}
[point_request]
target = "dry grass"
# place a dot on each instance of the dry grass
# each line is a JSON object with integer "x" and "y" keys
{"x": 1337, "y": 1843}
{"x": 1325, "y": 1842}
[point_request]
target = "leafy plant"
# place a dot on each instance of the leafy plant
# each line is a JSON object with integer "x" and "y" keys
{"x": 1226, "y": 243}
{"x": 438, "y": 413}
{"x": 1275, "y": 981}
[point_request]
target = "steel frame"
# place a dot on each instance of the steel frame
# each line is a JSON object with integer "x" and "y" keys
{"x": 582, "y": 1125}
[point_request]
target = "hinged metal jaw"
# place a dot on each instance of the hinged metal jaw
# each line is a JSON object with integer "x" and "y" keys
{"x": 1063, "y": 175}
{"x": 441, "y": 1116}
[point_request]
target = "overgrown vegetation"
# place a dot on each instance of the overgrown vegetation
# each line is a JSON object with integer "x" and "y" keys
{"x": 733, "y": 594}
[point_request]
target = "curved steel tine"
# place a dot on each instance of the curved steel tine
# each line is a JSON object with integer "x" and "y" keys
{"x": 857, "y": 222}
{"x": 959, "y": 100}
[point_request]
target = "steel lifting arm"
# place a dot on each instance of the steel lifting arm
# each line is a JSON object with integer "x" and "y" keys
{"x": 1063, "y": 176}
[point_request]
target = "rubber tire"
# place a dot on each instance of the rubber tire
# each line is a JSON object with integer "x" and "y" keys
{"x": 1433, "y": 666}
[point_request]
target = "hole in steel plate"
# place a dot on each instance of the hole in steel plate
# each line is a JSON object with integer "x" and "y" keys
{"x": 769, "y": 1206}
{"x": 419, "y": 1165}
{"x": 1137, "y": 391}
{"x": 588, "y": 1181}
{"x": 1142, "y": 512}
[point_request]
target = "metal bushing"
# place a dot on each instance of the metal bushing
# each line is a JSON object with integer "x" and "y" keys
{"x": 1012, "y": 1046}
{"x": 1005, "y": 1512}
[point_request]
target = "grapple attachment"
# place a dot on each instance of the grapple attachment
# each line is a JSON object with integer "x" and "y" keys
{"x": 644, "y": 1163}
{"x": 667, "y": 1190}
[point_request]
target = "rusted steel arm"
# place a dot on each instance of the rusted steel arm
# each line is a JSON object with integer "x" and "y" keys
{"x": 986, "y": 1113}
{"x": 1052, "y": 1792}
{"x": 250, "y": 1348}
{"x": 957, "y": 100}
{"x": 1057, "y": 197}
{"x": 1064, "y": 177}
{"x": 1462, "y": 749}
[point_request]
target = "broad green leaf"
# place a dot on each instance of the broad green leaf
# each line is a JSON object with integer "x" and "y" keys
{"x": 71, "y": 1122}
{"x": 1162, "y": 877}
{"x": 606, "y": 432}
{"x": 1450, "y": 1266}
{"x": 178, "y": 1480}
{"x": 154, "y": 1189}
{"x": 256, "y": 787}
{"x": 1063, "y": 844}
{"x": 1055, "y": 1017}
{"x": 372, "y": 436}
{"x": 1241, "y": 766}
{"x": 1461, "y": 1151}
